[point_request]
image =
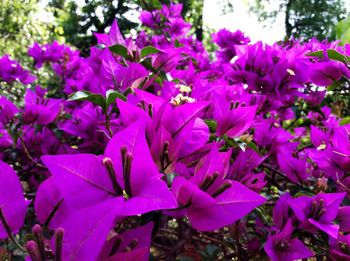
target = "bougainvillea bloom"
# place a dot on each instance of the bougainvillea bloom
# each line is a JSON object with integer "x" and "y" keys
{"x": 13, "y": 206}
{"x": 282, "y": 247}
{"x": 151, "y": 148}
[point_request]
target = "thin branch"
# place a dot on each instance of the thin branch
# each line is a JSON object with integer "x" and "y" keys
{"x": 28, "y": 154}
{"x": 9, "y": 232}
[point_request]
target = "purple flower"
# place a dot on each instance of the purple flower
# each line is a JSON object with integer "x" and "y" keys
{"x": 235, "y": 122}
{"x": 325, "y": 73}
{"x": 177, "y": 27}
{"x": 13, "y": 206}
{"x": 40, "y": 110}
{"x": 150, "y": 19}
{"x": 126, "y": 170}
{"x": 340, "y": 248}
{"x": 50, "y": 207}
{"x": 11, "y": 71}
{"x": 210, "y": 201}
{"x": 227, "y": 40}
{"x": 166, "y": 60}
{"x": 7, "y": 110}
{"x": 5, "y": 139}
{"x": 113, "y": 37}
{"x": 242, "y": 170}
{"x": 133, "y": 244}
{"x": 281, "y": 214}
{"x": 115, "y": 76}
{"x": 283, "y": 247}
{"x": 318, "y": 211}
{"x": 84, "y": 122}
{"x": 344, "y": 219}
{"x": 294, "y": 169}
{"x": 86, "y": 230}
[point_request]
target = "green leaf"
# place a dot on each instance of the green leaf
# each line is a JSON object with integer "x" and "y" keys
{"x": 178, "y": 44}
{"x": 261, "y": 215}
{"x": 170, "y": 178}
{"x": 112, "y": 95}
{"x": 332, "y": 54}
{"x": 332, "y": 87}
{"x": 148, "y": 50}
{"x": 185, "y": 258}
{"x": 88, "y": 96}
{"x": 253, "y": 146}
{"x": 212, "y": 125}
{"x": 345, "y": 120}
{"x": 210, "y": 252}
{"x": 342, "y": 30}
{"x": 119, "y": 50}
{"x": 147, "y": 63}
{"x": 155, "y": 4}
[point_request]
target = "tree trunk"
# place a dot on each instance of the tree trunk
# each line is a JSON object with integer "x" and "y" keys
{"x": 287, "y": 24}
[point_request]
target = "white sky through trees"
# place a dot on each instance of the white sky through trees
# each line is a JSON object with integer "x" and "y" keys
{"x": 214, "y": 18}
{"x": 241, "y": 19}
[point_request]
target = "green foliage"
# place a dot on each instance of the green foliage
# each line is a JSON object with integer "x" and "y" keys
{"x": 20, "y": 25}
{"x": 119, "y": 50}
{"x": 332, "y": 54}
{"x": 342, "y": 30}
{"x": 148, "y": 50}
{"x": 78, "y": 22}
{"x": 103, "y": 102}
{"x": 304, "y": 19}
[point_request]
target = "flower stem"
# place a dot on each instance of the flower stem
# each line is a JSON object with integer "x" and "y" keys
{"x": 9, "y": 232}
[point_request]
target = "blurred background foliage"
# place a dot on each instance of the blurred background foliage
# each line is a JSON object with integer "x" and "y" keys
{"x": 79, "y": 21}
{"x": 21, "y": 24}
{"x": 304, "y": 19}
{"x": 24, "y": 21}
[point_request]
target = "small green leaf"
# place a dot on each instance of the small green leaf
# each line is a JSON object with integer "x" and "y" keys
{"x": 345, "y": 120}
{"x": 148, "y": 50}
{"x": 332, "y": 54}
{"x": 88, "y": 96}
{"x": 342, "y": 30}
{"x": 178, "y": 44}
{"x": 253, "y": 146}
{"x": 212, "y": 125}
{"x": 332, "y": 87}
{"x": 260, "y": 213}
{"x": 119, "y": 50}
{"x": 210, "y": 252}
{"x": 147, "y": 63}
{"x": 185, "y": 258}
{"x": 67, "y": 116}
{"x": 155, "y": 4}
{"x": 112, "y": 95}
{"x": 170, "y": 178}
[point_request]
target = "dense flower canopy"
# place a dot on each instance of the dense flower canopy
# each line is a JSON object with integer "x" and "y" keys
{"x": 148, "y": 142}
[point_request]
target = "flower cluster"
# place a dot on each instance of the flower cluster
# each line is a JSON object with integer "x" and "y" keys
{"x": 150, "y": 148}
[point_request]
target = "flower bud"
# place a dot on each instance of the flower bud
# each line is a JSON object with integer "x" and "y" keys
{"x": 39, "y": 237}
{"x": 59, "y": 244}
{"x": 33, "y": 250}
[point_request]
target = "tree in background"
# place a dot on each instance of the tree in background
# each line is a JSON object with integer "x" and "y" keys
{"x": 78, "y": 22}
{"x": 304, "y": 19}
{"x": 20, "y": 26}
